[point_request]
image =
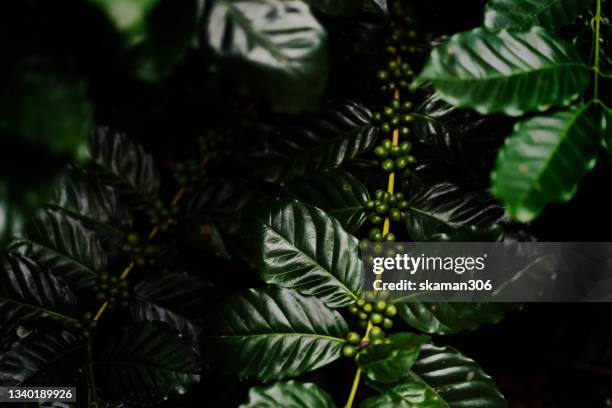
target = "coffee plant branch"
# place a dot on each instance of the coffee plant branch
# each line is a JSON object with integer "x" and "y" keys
{"x": 386, "y": 228}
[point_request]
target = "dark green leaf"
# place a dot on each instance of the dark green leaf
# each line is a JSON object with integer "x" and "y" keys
{"x": 144, "y": 311}
{"x": 339, "y": 133}
{"x": 440, "y": 378}
{"x": 337, "y": 7}
{"x": 336, "y": 192}
{"x": 177, "y": 291}
{"x": 606, "y": 127}
{"x": 65, "y": 247}
{"x": 544, "y": 160}
{"x": 449, "y": 318}
{"x": 509, "y": 72}
{"x": 387, "y": 363}
{"x": 124, "y": 164}
{"x": 42, "y": 358}
{"x": 405, "y": 394}
{"x": 26, "y": 288}
{"x": 281, "y": 43}
{"x": 288, "y": 394}
{"x": 148, "y": 363}
{"x": 273, "y": 333}
{"x": 523, "y": 14}
{"x": 446, "y": 207}
{"x": 299, "y": 246}
{"x": 46, "y": 107}
{"x": 18, "y": 201}
{"x": 91, "y": 200}
{"x": 456, "y": 379}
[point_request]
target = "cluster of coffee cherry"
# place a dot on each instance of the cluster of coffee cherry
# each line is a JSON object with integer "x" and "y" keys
{"x": 113, "y": 290}
{"x": 189, "y": 174}
{"x": 379, "y": 314}
{"x": 392, "y": 157}
{"x": 143, "y": 255}
{"x": 161, "y": 216}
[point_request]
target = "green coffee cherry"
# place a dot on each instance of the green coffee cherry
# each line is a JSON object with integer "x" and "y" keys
{"x": 381, "y": 151}
{"x": 367, "y": 308}
{"x": 353, "y": 309}
{"x": 380, "y": 306}
{"x": 376, "y": 318}
{"x": 349, "y": 351}
{"x": 387, "y": 323}
{"x": 378, "y": 342}
{"x": 388, "y": 165}
{"x": 391, "y": 310}
{"x": 376, "y": 333}
{"x": 353, "y": 338}
{"x": 389, "y": 237}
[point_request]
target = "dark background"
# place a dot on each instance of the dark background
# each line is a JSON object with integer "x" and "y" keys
{"x": 546, "y": 355}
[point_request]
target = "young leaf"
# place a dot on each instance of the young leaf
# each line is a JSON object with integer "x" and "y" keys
{"x": 299, "y": 246}
{"x": 273, "y": 333}
{"x": 544, "y": 160}
{"x": 446, "y": 207}
{"x": 25, "y": 286}
{"x": 66, "y": 248}
{"x": 450, "y": 318}
{"x": 440, "y": 378}
{"x": 523, "y": 14}
{"x": 42, "y": 358}
{"x": 124, "y": 164}
{"x": 336, "y": 192}
{"x": 281, "y": 43}
{"x": 387, "y": 363}
{"x": 290, "y": 394}
{"x": 509, "y": 72}
{"x": 148, "y": 363}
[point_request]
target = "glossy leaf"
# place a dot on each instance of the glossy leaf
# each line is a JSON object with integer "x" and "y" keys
{"x": 298, "y": 246}
{"x": 387, "y": 363}
{"x": 18, "y": 201}
{"x": 91, "y": 200}
{"x": 176, "y": 291}
{"x": 148, "y": 363}
{"x": 145, "y": 311}
{"x": 280, "y": 42}
{"x": 26, "y": 288}
{"x": 440, "y": 378}
{"x": 66, "y": 248}
{"x": 508, "y": 72}
{"x": 337, "y": 193}
{"x": 290, "y": 394}
{"x": 42, "y": 358}
{"x": 405, "y": 394}
{"x": 273, "y": 333}
{"x": 606, "y": 128}
{"x": 124, "y": 164}
{"x": 450, "y": 318}
{"x": 456, "y": 379}
{"x": 544, "y": 160}
{"x": 446, "y": 207}
{"x": 523, "y": 14}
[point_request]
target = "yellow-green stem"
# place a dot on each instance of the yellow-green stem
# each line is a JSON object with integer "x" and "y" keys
{"x": 596, "y": 62}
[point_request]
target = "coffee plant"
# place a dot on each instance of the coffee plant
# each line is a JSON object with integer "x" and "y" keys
{"x": 186, "y": 186}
